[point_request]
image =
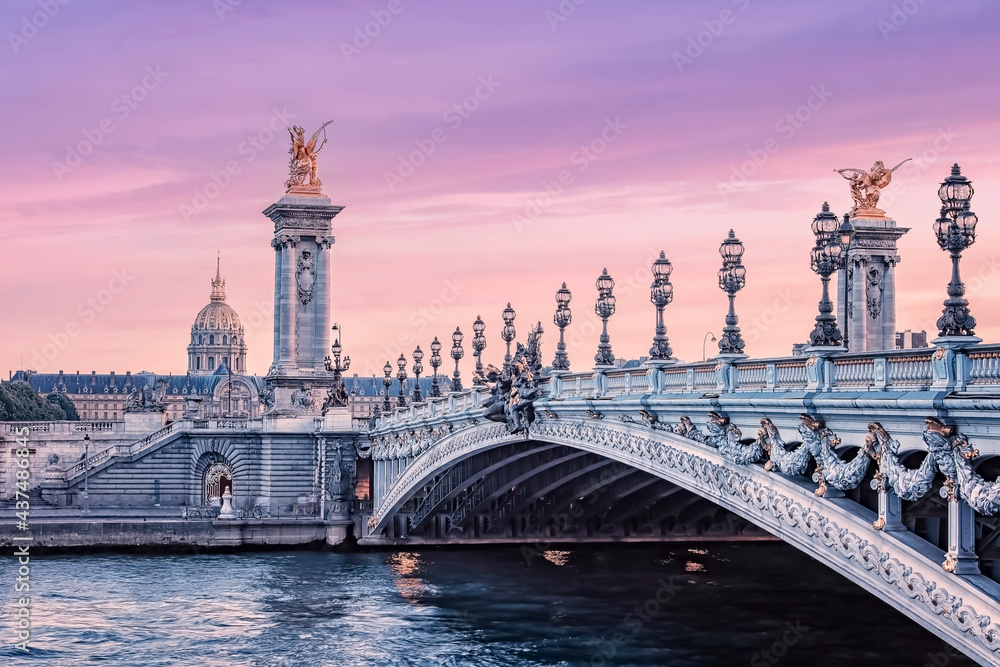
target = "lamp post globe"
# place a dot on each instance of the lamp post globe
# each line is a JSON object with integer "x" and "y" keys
{"x": 418, "y": 368}
{"x": 387, "y": 382}
{"x": 508, "y": 333}
{"x": 661, "y": 293}
{"x": 435, "y": 364}
{"x": 478, "y": 345}
{"x": 401, "y": 376}
{"x": 562, "y": 319}
{"x": 955, "y": 231}
{"x": 732, "y": 278}
{"x": 457, "y": 353}
{"x": 604, "y": 308}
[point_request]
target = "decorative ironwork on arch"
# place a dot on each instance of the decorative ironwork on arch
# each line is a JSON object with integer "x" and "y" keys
{"x": 218, "y": 477}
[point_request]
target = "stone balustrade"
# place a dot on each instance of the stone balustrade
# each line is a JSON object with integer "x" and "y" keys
{"x": 920, "y": 369}
{"x": 67, "y": 427}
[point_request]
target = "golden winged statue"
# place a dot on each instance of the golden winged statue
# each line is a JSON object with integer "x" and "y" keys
{"x": 866, "y": 186}
{"x": 302, "y": 163}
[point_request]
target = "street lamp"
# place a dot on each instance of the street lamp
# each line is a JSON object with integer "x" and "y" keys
{"x": 457, "y": 353}
{"x": 508, "y": 333}
{"x": 418, "y": 368}
{"x": 846, "y": 231}
{"x": 387, "y": 381}
{"x": 562, "y": 319}
{"x": 704, "y": 344}
{"x": 478, "y": 345}
{"x": 435, "y": 364}
{"x": 86, "y": 473}
{"x": 826, "y": 257}
{"x": 661, "y": 293}
{"x": 732, "y": 278}
{"x": 604, "y": 308}
{"x": 956, "y": 231}
{"x": 334, "y": 365}
{"x": 401, "y": 376}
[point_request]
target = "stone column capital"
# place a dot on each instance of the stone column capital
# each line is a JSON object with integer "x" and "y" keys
{"x": 285, "y": 241}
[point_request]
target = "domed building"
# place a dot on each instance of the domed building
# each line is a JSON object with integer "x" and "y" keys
{"x": 217, "y": 335}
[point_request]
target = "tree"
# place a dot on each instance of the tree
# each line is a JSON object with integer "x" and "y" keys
{"x": 19, "y": 402}
{"x": 61, "y": 401}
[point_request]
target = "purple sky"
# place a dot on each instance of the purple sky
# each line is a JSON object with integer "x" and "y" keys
{"x": 424, "y": 253}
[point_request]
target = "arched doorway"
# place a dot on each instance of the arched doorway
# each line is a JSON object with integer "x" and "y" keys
{"x": 218, "y": 478}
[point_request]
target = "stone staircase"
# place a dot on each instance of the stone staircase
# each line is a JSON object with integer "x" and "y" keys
{"x": 35, "y": 501}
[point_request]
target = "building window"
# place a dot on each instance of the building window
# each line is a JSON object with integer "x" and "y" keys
{"x": 225, "y": 339}
{"x": 105, "y": 415}
{"x": 211, "y": 363}
{"x": 197, "y": 363}
{"x": 211, "y": 339}
{"x": 225, "y": 360}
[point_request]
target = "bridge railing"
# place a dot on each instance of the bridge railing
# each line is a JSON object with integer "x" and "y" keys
{"x": 975, "y": 368}
{"x": 984, "y": 365}
{"x": 67, "y": 427}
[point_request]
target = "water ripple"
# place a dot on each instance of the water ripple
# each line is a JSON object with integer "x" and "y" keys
{"x": 488, "y": 608}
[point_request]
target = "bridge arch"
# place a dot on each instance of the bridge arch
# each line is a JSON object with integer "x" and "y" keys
{"x": 897, "y": 567}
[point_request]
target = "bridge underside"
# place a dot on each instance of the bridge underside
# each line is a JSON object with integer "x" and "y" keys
{"x": 543, "y": 493}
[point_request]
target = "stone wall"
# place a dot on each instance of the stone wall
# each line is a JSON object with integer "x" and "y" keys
{"x": 157, "y": 534}
{"x": 64, "y": 439}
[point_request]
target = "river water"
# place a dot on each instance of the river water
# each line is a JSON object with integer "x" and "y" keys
{"x": 720, "y": 604}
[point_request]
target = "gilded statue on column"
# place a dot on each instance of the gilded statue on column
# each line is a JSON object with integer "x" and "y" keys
{"x": 302, "y": 178}
{"x": 866, "y": 187}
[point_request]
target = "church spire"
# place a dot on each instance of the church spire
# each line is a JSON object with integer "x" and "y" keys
{"x": 218, "y": 284}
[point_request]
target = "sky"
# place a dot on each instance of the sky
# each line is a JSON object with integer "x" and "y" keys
{"x": 485, "y": 153}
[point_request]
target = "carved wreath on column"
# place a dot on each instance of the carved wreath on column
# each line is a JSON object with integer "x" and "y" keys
{"x": 305, "y": 276}
{"x": 873, "y": 282}
{"x": 302, "y": 399}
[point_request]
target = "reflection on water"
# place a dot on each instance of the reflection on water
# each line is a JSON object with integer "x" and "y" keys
{"x": 649, "y": 605}
{"x": 405, "y": 565}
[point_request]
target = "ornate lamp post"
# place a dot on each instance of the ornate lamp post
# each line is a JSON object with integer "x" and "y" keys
{"x": 956, "y": 231}
{"x": 826, "y": 257}
{"x": 605, "y": 308}
{"x": 732, "y": 278}
{"x": 478, "y": 345}
{"x": 334, "y": 365}
{"x": 435, "y": 364}
{"x": 661, "y": 292}
{"x": 418, "y": 368}
{"x": 456, "y": 353}
{"x": 401, "y": 376}
{"x": 387, "y": 381}
{"x": 562, "y": 319}
{"x": 508, "y": 333}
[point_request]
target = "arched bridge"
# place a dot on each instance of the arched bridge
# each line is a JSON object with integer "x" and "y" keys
{"x": 880, "y": 465}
